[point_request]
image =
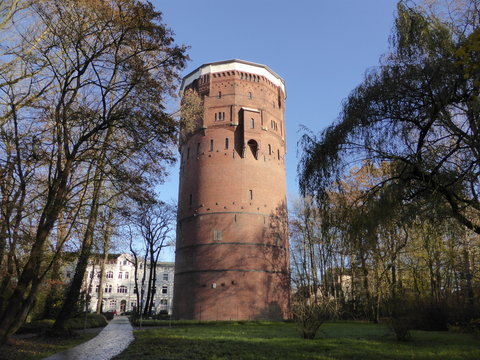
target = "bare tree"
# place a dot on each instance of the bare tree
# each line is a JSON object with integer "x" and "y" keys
{"x": 154, "y": 222}
{"x": 99, "y": 66}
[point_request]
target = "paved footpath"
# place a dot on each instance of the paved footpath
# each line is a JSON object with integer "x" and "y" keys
{"x": 111, "y": 341}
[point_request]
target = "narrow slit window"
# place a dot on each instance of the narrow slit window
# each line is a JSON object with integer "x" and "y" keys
{"x": 190, "y": 200}
{"x": 250, "y": 96}
{"x": 198, "y": 148}
{"x": 219, "y": 95}
{"x": 278, "y": 154}
{"x": 252, "y": 123}
{"x": 269, "y": 149}
{"x": 250, "y": 194}
{"x": 217, "y": 235}
{"x": 226, "y": 143}
{"x": 211, "y": 144}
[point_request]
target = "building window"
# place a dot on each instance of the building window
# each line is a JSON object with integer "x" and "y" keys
{"x": 250, "y": 194}
{"x": 269, "y": 149}
{"x": 108, "y": 288}
{"x": 120, "y": 275}
{"x": 122, "y": 289}
{"x": 198, "y": 148}
{"x": 163, "y": 304}
{"x": 274, "y": 125}
{"x": 113, "y": 303}
{"x": 219, "y": 116}
{"x": 278, "y": 154}
{"x": 190, "y": 200}
{"x": 165, "y": 277}
{"x": 97, "y": 288}
{"x": 211, "y": 144}
{"x": 217, "y": 235}
{"x": 109, "y": 275}
{"x": 250, "y": 96}
{"x": 98, "y": 275}
{"x": 226, "y": 143}
{"x": 125, "y": 262}
{"x": 164, "y": 289}
{"x": 219, "y": 95}
{"x": 126, "y": 274}
{"x": 252, "y": 123}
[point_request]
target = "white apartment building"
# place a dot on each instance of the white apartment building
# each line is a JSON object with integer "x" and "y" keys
{"x": 119, "y": 284}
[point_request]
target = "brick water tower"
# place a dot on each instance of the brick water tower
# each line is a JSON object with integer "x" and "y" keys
{"x": 232, "y": 258}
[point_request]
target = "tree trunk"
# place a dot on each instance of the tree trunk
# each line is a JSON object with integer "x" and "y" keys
{"x": 68, "y": 307}
{"x": 77, "y": 281}
{"x": 106, "y": 246}
{"x": 56, "y": 287}
{"x": 23, "y": 294}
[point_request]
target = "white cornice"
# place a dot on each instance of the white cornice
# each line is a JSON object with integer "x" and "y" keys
{"x": 231, "y": 65}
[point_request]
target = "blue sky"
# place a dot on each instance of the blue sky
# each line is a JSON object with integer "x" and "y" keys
{"x": 321, "y": 48}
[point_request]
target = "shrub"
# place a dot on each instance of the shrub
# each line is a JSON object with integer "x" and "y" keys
{"x": 310, "y": 316}
{"x": 402, "y": 315}
{"x": 108, "y": 315}
{"x": 91, "y": 321}
{"x": 431, "y": 317}
{"x": 37, "y": 326}
{"x": 401, "y": 326}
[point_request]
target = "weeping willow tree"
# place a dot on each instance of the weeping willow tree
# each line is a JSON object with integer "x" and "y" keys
{"x": 419, "y": 111}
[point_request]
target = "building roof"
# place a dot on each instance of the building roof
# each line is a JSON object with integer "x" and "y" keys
{"x": 234, "y": 64}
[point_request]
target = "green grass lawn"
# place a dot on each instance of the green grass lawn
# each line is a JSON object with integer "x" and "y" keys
{"x": 338, "y": 340}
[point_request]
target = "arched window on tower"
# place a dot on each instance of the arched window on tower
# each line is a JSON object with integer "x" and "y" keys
{"x": 252, "y": 123}
{"x": 253, "y": 145}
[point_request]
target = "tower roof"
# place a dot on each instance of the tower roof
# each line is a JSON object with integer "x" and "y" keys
{"x": 234, "y": 64}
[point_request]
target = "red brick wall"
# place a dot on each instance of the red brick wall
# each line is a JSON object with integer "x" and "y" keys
{"x": 232, "y": 243}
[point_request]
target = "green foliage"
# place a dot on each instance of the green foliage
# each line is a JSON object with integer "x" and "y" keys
{"x": 417, "y": 112}
{"x": 43, "y": 326}
{"x": 90, "y": 321}
{"x": 108, "y": 315}
{"x": 37, "y": 326}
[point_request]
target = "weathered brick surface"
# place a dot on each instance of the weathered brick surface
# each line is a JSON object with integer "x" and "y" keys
{"x": 232, "y": 244}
